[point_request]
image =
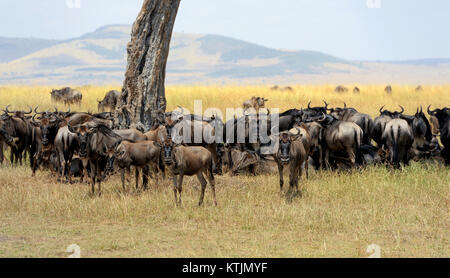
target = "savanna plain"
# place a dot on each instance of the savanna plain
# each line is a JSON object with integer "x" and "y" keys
{"x": 339, "y": 214}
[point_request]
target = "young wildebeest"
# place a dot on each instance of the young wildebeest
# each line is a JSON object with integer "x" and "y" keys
{"x": 255, "y": 102}
{"x": 290, "y": 152}
{"x": 188, "y": 161}
{"x": 110, "y": 101}
{"x": 141, "y": 155}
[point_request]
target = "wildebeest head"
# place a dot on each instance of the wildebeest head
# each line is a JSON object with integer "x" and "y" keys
{"x": 285, "y": 141}
{"x": 395, "y": 114}
{"x": 438, "y": 117}
{"x": 421, "y": 123}
{"x": 261, "y": 102}
{"x": 168, "y": 152}
{"x": 5, "y": 135}
{"x": 116, "y": 151}
{"x": 315, "y": 111}
{"x": 339, "y": 112}
{"x": 83, "y": 133}
{"x": 18, "y": 113}
{"x": 49, "y": 127}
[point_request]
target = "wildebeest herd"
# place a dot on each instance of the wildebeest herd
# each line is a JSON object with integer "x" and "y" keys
{"x": 81, "y": 144}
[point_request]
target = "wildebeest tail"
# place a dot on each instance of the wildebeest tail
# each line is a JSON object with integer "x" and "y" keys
{"x": 395, "y": 155}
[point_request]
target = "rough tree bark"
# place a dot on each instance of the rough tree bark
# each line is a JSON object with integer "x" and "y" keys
{"x": 143, "y": 94}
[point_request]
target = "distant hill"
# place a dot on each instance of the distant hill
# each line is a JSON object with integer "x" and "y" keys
{"x": 100, "y": 58}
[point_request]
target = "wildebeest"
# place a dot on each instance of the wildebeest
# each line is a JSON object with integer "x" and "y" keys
{"x": 287, "y": 89}
{"x": 197, "y": 133}
{"x": 17, "y": 132}
{"x": 398, "y": 139}
{"x": 421, "y": 131}
{"x": 93, "y": 139}
{"x": 419, "y": 89}
{"x": 143, "y": 156}
{"x": 188, "y": 161}
{"x": 441, "y": 121}
{"x": 340, "y": 136}
{"x": 110, "y": 101}
{"x": 67, "y": 95}
{"x": 388, "y": 89}
{"x": 380, "y": 124}
{"x": 356, "y": 90}
{"x": 255, "y": 102}
{"x": 364, "y": 121}
{"x": 341, "y": 89}
{"x": 290, "y": 152}
{"x": 66, "y": 145}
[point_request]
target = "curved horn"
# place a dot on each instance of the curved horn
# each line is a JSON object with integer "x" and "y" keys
{"x": 309, "y": 105}
{"x": 417, "y": 112}
{"x": 421, "y": 109}
{"x": 56, "y": 110}
{"x": 326, "y": 104}
{"x": 7, "y": 110}
{"x": 345, "y": 105}
{"x": 403, "y": 109}
{"x": 323, "y": 118}
{"x": 36, "y": 112}
{"x": 28, "y": 113}
{"x": 381, "y": 109}
{"x": 33, "y": 120}
{"x": 429, "y": 111}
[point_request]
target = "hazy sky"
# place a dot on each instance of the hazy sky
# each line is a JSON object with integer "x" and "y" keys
{"x": 389, "y": 30}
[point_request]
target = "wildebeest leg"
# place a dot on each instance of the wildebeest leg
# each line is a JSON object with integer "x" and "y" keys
{"x": 293, "y": 179}
{"x": 145, "y": 174}
{"x": 69, "y": 172}
{"x": 137, "y": 177}
{"x": 180, "y": 187}
{"x": 352, "y": 156}
{"x": 327, "y": 158}
{"x": 93, "y": 175}
{"x": 34, "y": 164}
{"x": 98, "y": 174}
{"x": 212, "y": 182}
{"x": 175, "y": 188}
{"x": 122, "y": 171}
{"x": 203, "y": 183}
{"x": 1, "y": 153}
{"x": 280, "y": 172}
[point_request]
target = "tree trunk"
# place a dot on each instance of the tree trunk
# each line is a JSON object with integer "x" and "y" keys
{"x": 143, "y": 95}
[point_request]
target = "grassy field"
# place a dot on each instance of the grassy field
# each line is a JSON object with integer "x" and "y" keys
{"x": 339, "y": 214}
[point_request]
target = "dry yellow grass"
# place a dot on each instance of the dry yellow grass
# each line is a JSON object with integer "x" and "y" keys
{"x": 405, "y": 212}
{"x": 368, "y": 101}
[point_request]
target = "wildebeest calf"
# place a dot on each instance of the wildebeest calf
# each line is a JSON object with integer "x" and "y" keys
{"x": 142, "y": 155}
{"x": 188, "y": 161}
{"x": 290, "y": 151}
